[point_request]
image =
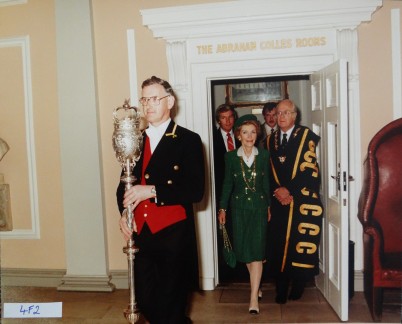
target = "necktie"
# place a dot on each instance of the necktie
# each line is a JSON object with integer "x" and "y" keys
{"x": 284, "y": 139}
{"x": 272, "y": 130}
{"x": 230, "y": 142}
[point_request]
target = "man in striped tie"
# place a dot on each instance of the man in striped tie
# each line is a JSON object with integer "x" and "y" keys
{"x": 224, "y": 141}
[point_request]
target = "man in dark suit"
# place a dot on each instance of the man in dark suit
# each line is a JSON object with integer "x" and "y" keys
{"x": 170, "y": 178}
{"x": 225, "y": 117}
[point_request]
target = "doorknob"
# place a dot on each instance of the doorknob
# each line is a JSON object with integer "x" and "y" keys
{"x": 337, "y": 178}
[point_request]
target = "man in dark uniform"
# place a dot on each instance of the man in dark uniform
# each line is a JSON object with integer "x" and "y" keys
{"x": 296, "y": 208}
{"x": 170, "y": 178}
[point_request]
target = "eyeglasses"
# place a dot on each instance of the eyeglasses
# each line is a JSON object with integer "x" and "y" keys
{"x": 153, "y": 101}
{"x": 285, "y": 113}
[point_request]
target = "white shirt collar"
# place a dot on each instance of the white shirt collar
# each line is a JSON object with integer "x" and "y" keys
{"x": 225, "y": 132}
{"x": 288, "y": 132}
{"x": 155, "y": 133}
{"x": 240, "y": 151}
{"x": 249, "y": 161}
{"x": 159, "y": 130}
{"x": 268, "y": 128}
{"x": 225, "y": 137}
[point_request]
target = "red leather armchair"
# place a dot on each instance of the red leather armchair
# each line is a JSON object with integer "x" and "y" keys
{"x": 380, "y": 212}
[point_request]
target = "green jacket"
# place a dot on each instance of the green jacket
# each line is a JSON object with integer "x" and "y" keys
{"x": 235, "y": 190}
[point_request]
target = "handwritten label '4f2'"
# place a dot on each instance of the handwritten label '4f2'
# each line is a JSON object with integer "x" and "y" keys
{"x": 32, "y": 309}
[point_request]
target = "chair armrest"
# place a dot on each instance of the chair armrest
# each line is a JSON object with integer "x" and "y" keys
{"x": 377, "y": 246}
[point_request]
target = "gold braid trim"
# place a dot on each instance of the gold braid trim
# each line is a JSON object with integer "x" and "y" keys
{"x": 299, "y": 153}
{"x": 287, "y": 236}
{"x": 274, "y": 173}
{"x": 302, "y": 265}
{"x": 267, "y": 140}
{"x": 173, "y": 133}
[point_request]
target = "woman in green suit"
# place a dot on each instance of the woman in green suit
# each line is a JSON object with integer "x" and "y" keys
{"x": 246, "y": 189}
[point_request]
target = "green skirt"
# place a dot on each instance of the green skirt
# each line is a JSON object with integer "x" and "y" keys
{"x": 249, "y": 234}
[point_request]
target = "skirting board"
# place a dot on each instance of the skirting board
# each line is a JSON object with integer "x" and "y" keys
{"x": 54, "y": 278}
{"x": 31, "y": 277}
{"x": 51, "y": 278}
{"x": 87, "y": 283}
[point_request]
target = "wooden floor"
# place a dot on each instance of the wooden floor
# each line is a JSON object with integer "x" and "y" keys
{"x": 228, "y": 304}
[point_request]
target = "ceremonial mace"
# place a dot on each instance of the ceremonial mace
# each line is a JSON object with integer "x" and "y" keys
{"x": 127, "y": 144}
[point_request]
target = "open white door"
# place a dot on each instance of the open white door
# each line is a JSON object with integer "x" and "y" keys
{"x": 329, "y": 92}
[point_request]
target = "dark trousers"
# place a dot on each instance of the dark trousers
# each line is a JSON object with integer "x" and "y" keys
{"x": 159, "y": 271}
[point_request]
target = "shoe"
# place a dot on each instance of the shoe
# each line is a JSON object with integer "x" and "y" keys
{"x": 259, "y": 294}
{"x": 295, "y": 295}
{"x": 296, "y": 292}
{"x": 254, "y": 311}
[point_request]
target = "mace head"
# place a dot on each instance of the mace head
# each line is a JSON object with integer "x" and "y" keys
{"x": 127, "y": 136}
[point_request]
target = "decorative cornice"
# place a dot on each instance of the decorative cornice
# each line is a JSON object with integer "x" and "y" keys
{"x": 176, "y": 55}
{"x": 233, "y": 17}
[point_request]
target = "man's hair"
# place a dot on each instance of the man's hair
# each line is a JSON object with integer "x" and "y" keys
{"x": 224, "y": 108}
{"x": 269, "y": 106}
{"x": 155, "y": 80}
{"x": 289, "y": 102}
{"x": 294, "y": 108}
{"x": 168, "y": 88}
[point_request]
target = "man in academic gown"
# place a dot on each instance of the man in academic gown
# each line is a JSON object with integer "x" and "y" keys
{"x": 296, "y": 208}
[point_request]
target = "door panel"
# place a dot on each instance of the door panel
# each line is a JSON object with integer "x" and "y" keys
{"x": 330, "y": 117}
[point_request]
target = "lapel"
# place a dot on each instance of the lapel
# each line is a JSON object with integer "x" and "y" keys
{"x": 264, "y": 131}
{"x": 296, "y": 132}
{"x": 221, "y": 140}
{"x": 163, "y": 149}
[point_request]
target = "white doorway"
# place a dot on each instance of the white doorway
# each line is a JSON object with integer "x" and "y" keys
{"x": 323, "y": 102}
{"x": 255, "y": 92}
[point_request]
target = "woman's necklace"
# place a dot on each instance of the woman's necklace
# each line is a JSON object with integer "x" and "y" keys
{"x": 252, "y": 177}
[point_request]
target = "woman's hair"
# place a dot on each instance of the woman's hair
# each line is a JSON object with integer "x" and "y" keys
{"x": 248, "y": 122}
